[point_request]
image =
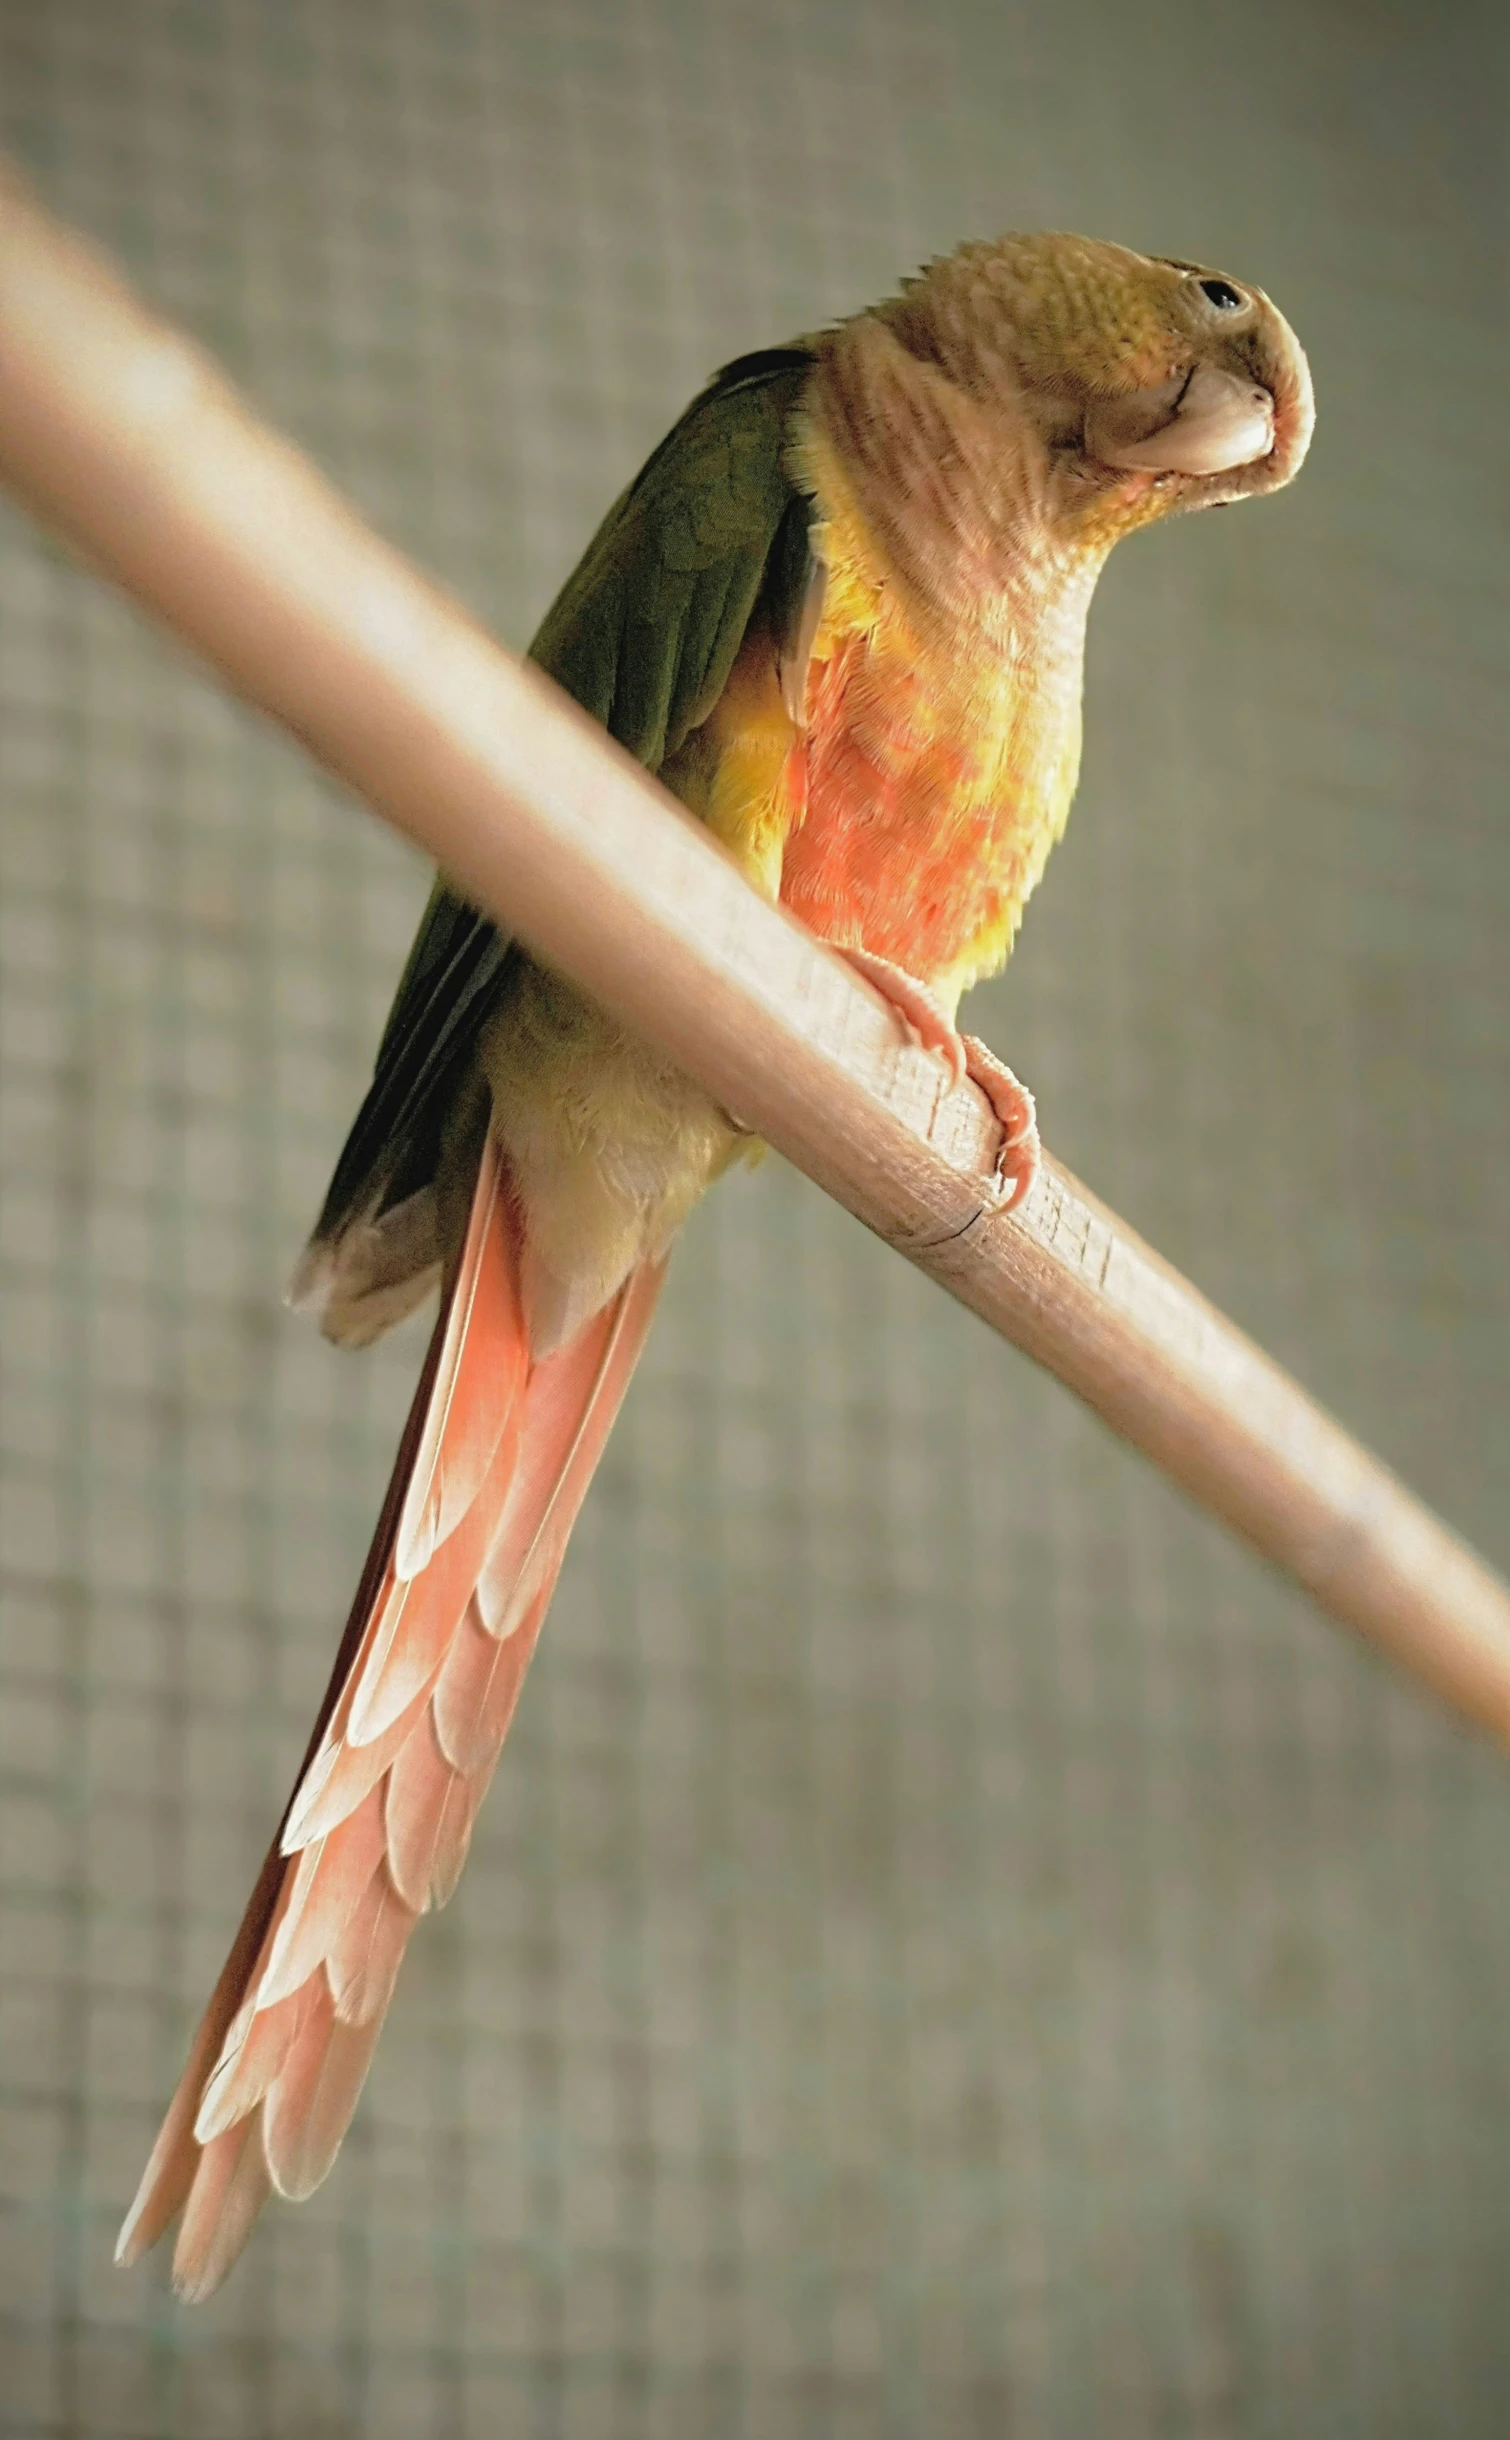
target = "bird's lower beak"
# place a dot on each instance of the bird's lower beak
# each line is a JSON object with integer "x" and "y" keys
{"x": 1205, "y": 423}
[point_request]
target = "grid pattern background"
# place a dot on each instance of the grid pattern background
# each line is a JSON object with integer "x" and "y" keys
{"x": 954, "y": 1949}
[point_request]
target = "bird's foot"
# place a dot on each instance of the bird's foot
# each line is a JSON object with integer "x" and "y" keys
{"x": 1018, "y": 1160}
{"x": 1021, "y": 1155}
{"x": 920, "y": 1011}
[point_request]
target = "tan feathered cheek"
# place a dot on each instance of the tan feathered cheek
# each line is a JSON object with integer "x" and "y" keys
{"x": 1201, "y": 423}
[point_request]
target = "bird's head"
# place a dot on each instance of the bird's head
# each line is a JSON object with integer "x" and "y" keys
{"x": 1127, "y": 385}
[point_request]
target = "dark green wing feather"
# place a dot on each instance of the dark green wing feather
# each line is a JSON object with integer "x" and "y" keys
{"x": 644, "y": 635}
{"x": 645, "y": 632}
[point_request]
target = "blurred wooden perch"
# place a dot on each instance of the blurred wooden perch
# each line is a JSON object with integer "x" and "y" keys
{"x": 126, "y": 440}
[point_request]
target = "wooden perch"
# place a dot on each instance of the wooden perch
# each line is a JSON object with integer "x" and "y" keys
{"x": 125, "y": 439}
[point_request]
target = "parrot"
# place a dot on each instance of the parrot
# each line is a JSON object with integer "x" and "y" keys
{"x": 841, "y": 613}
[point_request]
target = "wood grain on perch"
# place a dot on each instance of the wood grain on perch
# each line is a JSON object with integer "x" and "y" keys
{"x": 125, "y": 439}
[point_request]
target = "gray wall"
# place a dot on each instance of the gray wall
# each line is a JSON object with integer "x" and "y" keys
{"x": 954, "y": 1949}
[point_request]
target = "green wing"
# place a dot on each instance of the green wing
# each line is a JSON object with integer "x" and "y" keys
{"x": 643, "y": 635}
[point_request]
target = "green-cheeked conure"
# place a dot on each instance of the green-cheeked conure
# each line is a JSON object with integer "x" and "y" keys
{"x": 841, "y": 613}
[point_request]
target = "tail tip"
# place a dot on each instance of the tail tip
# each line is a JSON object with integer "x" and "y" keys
{"x": 135, "y": 2238}
{"x": 198, "y": 2285}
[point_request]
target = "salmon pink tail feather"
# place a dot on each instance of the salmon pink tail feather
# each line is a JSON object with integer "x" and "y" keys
{"x": 495, "y": 1459}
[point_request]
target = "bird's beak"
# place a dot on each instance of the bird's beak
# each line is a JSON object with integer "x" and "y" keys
{"x": 1205, "y": 422}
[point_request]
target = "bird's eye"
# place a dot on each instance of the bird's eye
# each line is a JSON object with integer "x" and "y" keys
{"x": 1222, "y": 295}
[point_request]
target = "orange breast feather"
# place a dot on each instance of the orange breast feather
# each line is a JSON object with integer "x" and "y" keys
{"x": 923, "y": 812}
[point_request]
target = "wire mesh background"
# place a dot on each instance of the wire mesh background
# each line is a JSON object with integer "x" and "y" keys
{"x": 954, "y": 1948}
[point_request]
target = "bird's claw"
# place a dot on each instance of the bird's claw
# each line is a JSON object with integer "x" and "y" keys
{"x": 920, "y": 1011}
{"x": 1020, "y": 1155}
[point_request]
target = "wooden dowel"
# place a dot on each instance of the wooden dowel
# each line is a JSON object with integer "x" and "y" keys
{"x": 126, "y": 440}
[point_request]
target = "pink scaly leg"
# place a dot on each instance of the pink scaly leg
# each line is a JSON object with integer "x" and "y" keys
{"x": 1017, "y": 1161}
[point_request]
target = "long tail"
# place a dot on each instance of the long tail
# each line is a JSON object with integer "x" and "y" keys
{"x": 496, "y": 1456}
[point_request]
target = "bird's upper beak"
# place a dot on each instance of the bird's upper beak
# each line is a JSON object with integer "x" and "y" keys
{"x": 1200, "y": 423}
